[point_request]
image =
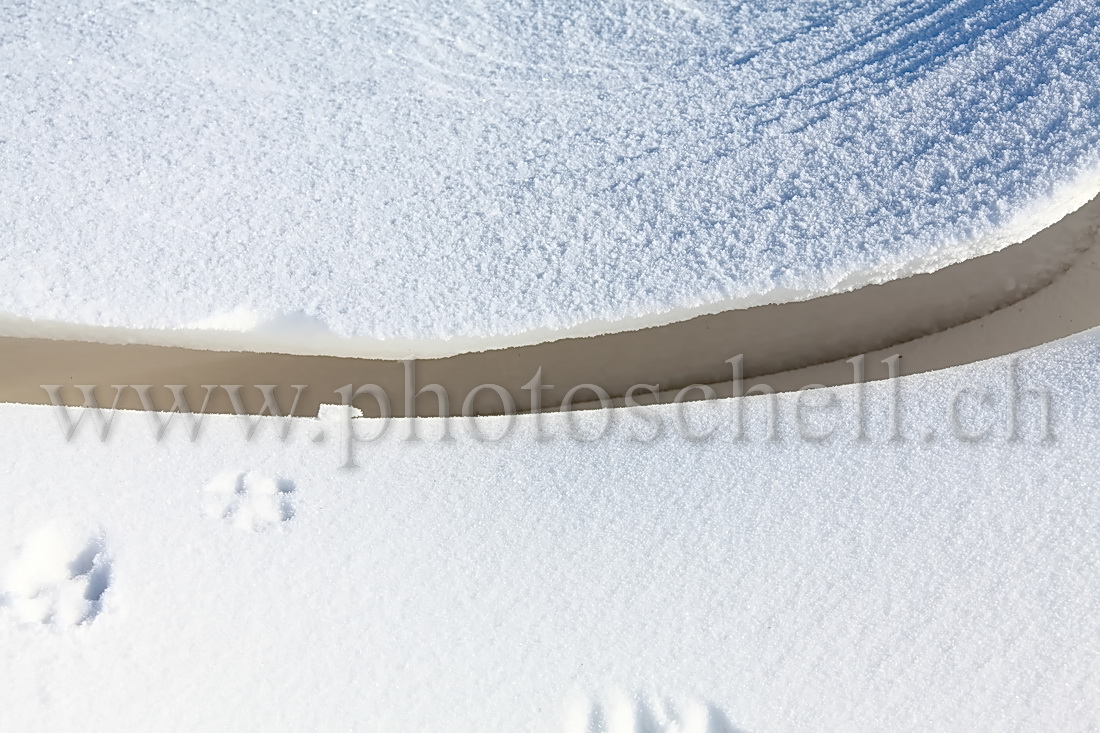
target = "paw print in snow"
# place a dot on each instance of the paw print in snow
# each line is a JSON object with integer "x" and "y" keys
{"x": 251, "y": 501}
{"x": 58, "y": 577}
{"x": 618, "y": 712}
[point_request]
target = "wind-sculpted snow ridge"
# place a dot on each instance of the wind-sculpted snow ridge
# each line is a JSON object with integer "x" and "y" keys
{"x": 431, "y": 178}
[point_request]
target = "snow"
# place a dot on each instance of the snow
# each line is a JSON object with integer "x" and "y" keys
{"x": 413, "y": 178}
{"x": 935, "y": 580}
{"x": 390, "y": 179}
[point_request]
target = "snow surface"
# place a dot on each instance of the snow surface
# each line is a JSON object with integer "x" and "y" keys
{"x": 921, "y": 583}
{"x": 385, "y": 176}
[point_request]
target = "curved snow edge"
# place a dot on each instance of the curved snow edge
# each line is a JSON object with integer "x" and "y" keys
{"x": 299, "y": 334}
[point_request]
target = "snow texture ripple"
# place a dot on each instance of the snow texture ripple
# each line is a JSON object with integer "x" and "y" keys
{"x": 432, "y": 177}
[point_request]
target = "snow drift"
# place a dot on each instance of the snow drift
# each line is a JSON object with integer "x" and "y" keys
{"x": 458, "y": 176}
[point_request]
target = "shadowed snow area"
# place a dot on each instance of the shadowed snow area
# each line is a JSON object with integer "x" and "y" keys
{"x": 1028, "y": 294}
{"x": 426, "y": 179}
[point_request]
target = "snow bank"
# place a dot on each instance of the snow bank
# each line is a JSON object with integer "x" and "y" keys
{"x": 453, "y": 176}
{"x": 937, "y": 580}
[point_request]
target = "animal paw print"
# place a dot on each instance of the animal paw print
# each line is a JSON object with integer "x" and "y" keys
{"x": 250, "y": 501}
{"x": 58, "y": 577}
{"x": 618, "y": 712}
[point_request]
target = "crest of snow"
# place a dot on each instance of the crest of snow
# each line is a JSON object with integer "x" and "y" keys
{"x": 423, "y": 178}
